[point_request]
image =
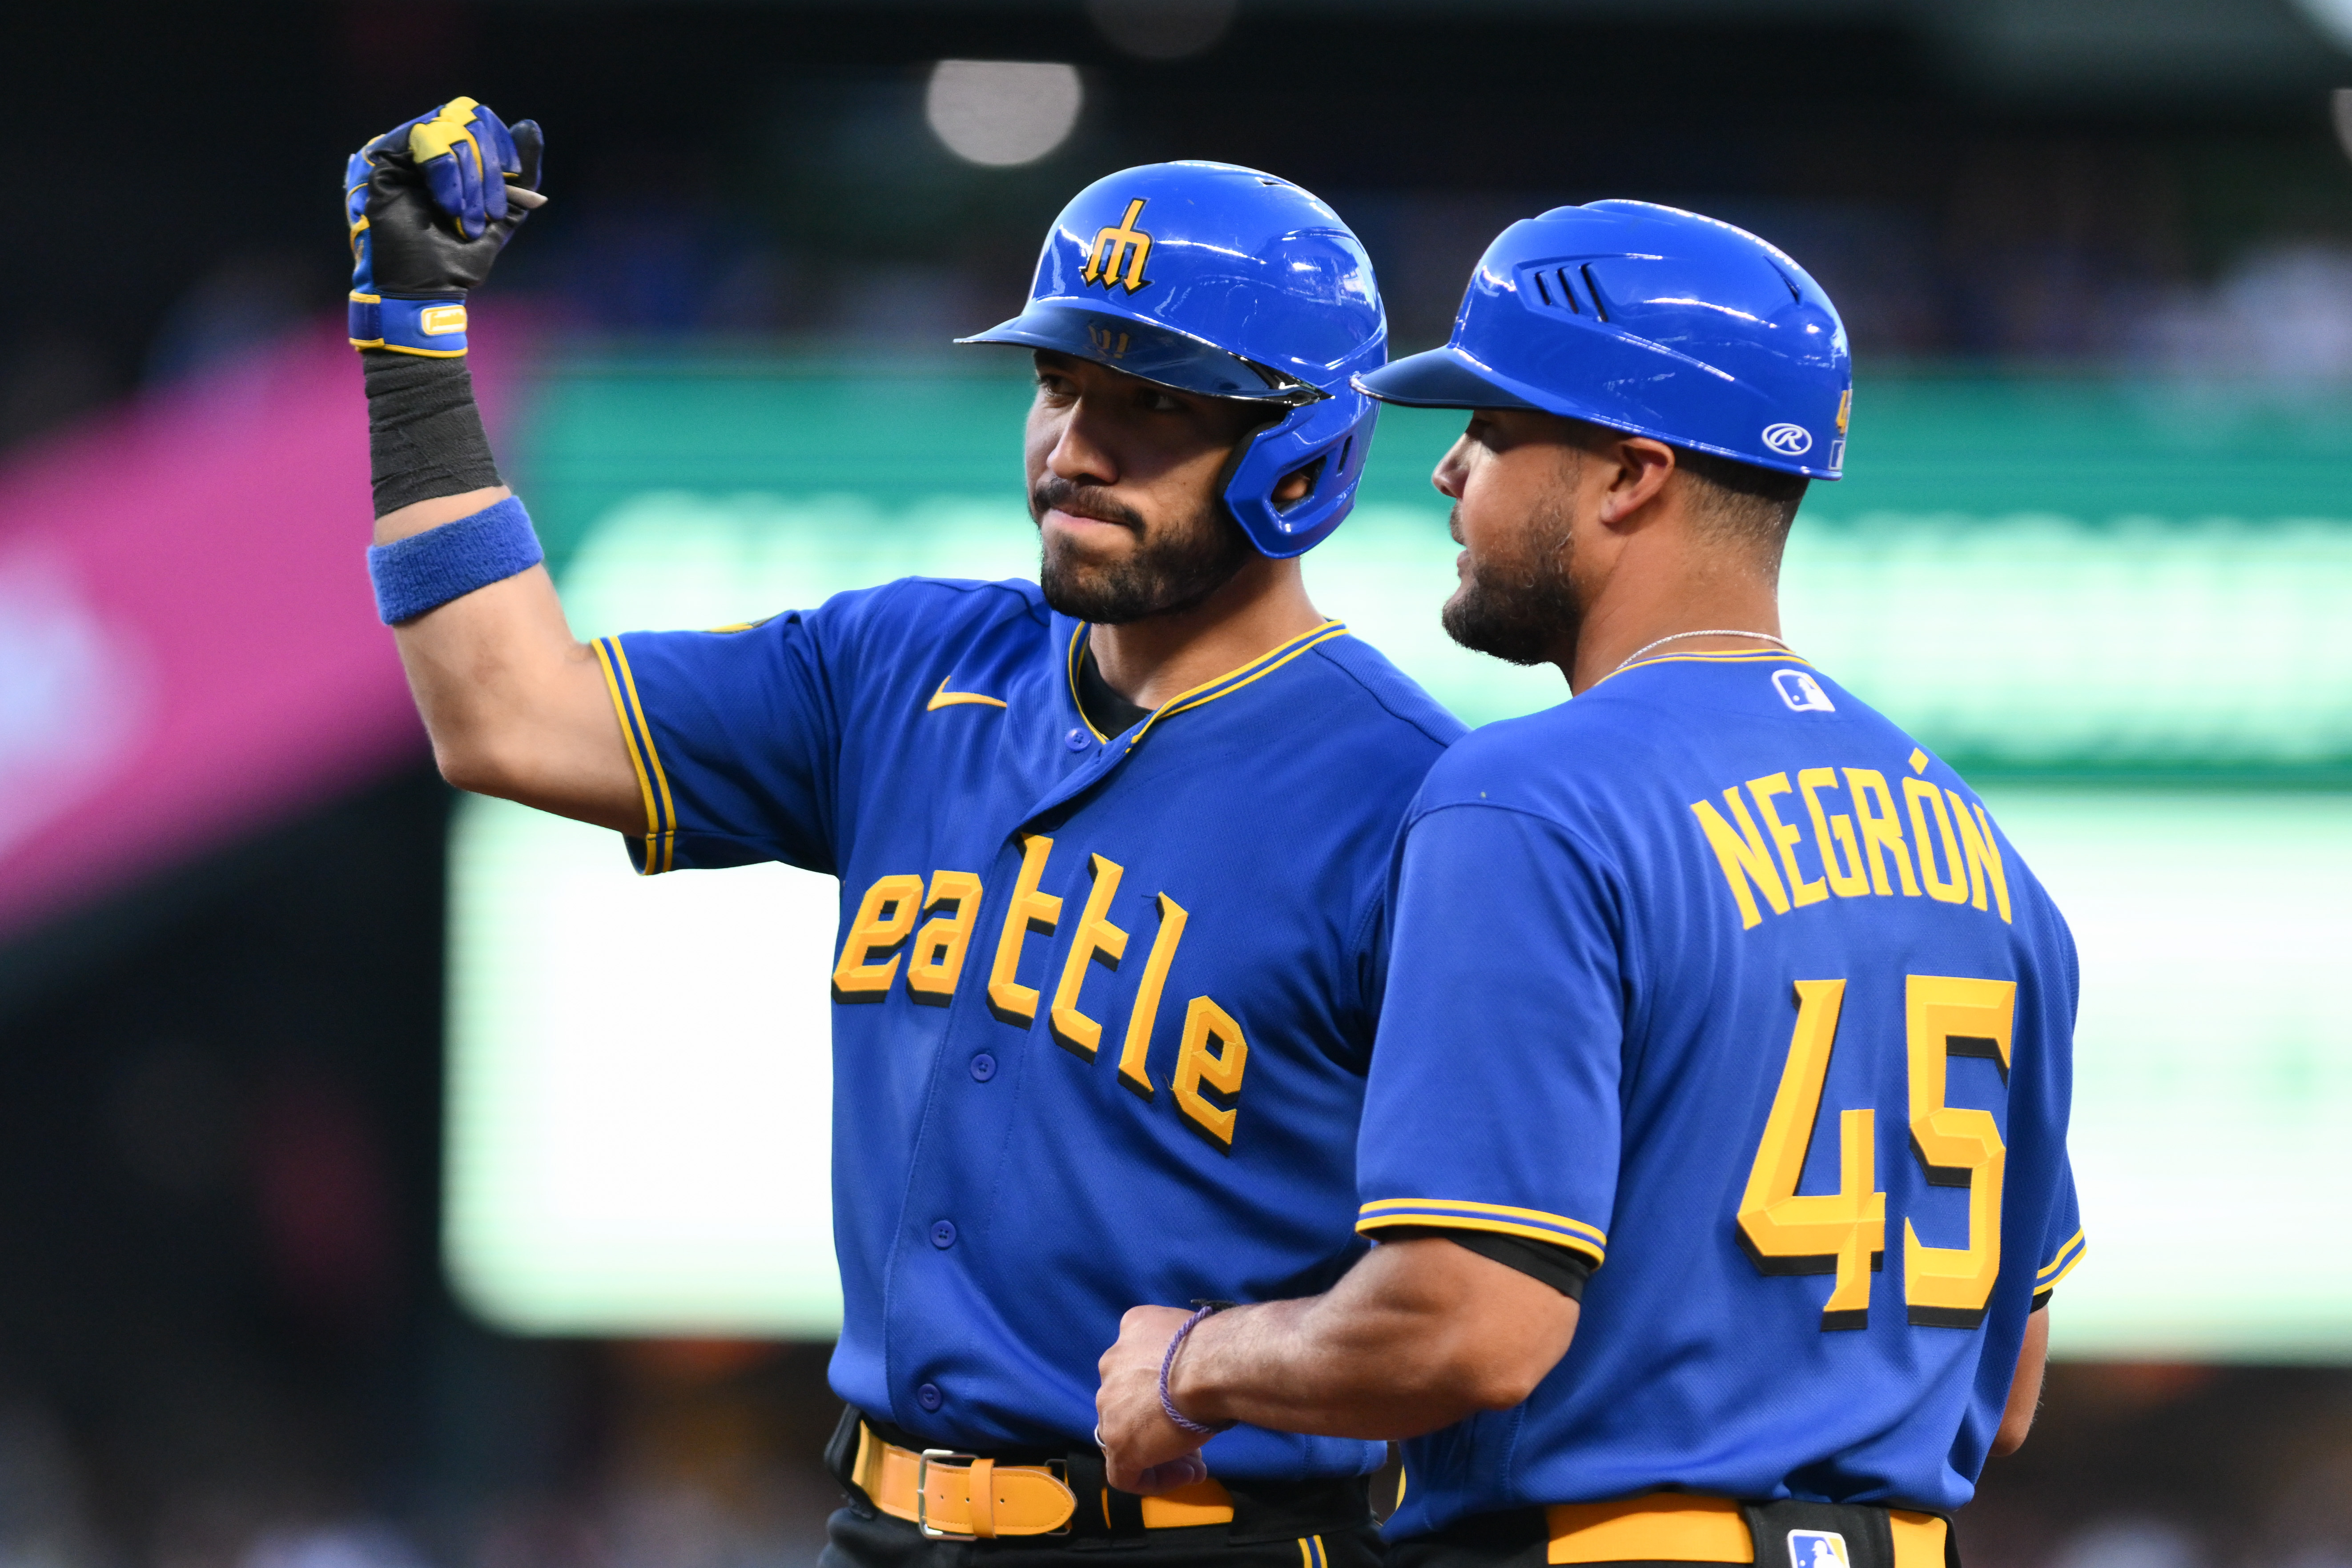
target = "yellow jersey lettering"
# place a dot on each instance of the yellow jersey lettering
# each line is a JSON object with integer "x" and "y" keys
{"x": 1097, "y": 938}
{"x": 1832, "y": 836}
{"x": 1743, "y": 857}
{"x": 883, "y": 918}
{"x": 1947, "y": 1287}
{"x": 1843, "y": 1232}
{"x": 1207, "y": 1025}
{"x": 1134, "y": 1067}
{"x": 1948, "y": 884}
{"x": 1982, "y": 851}
{"x": 1784, "y": 837}
{"x": 939, "y": 945}
{"x": 1881, "y": 834}
{"x": 1029, "y": 910}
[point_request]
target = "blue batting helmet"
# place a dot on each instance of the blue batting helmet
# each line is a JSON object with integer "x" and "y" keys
{"x": 1212, "y": 278}
{"x": 1651, "y": 320}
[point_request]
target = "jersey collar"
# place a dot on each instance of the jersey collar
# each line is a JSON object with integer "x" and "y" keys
{"x": 1725, "y": 656}
{"x": 1207, "y": 690}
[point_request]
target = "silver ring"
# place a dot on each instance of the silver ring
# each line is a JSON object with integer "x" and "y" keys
{"x": 1098, "y": 1439}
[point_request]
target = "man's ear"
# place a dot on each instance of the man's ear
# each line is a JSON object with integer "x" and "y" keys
{"x": 1638, "y": 470}
{"x": 1296, "y": 485}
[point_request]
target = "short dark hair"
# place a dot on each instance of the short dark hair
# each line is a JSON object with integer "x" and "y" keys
{"x": 1740, "y": 501}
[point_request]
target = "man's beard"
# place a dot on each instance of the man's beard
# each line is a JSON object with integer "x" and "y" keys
{"x": 1172, "y": 569}
{"x": 1522, "y": 611}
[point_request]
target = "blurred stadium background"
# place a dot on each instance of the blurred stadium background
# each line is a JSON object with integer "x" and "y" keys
{"x": 387, "y": 1180}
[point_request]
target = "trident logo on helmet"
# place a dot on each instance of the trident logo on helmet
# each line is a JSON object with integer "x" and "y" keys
{"x": 1112, "y": 245}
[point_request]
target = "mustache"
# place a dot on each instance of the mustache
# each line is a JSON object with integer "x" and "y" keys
{"x": 1454, "y": 522}
{"x": 1055, "y": 494}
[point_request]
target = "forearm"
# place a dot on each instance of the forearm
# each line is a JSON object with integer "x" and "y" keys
{"x": 515, "y": 704}
{"x": 1297, "y": 1366}
{"x": 419, "y": 515}
{"x": 1393, "y": 1351}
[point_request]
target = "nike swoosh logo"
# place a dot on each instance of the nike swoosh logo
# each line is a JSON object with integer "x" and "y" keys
{"x": 946, "y": 698}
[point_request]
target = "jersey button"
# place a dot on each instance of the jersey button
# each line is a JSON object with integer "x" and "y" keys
{"x": 983, "y": 1067}
{"x": 928, "y": 1396}
{"x": 943, "y": 1234}
{"x": 1076, "y": 740}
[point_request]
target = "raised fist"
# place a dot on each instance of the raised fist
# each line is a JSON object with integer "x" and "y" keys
{"x": 430, "y": 204}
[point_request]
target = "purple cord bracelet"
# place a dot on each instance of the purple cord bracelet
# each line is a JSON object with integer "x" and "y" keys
{"x": 1176, "y": 1417}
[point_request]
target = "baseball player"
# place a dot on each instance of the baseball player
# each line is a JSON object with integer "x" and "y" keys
{"x": 1717, "y": 1007}
{"x": 1112, "y": 847}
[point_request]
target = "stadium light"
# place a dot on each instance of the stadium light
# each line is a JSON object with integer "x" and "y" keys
{"x": 1001, "y": 113}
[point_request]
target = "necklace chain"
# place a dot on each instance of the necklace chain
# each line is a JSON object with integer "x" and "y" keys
{"x": 1712, "y": 632}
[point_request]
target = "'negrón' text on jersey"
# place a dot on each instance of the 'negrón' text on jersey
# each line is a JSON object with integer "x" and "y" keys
{"x": 1211, "y": 1053}
{"x": 1957, "y": 859}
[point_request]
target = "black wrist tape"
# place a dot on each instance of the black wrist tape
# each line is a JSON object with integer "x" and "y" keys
{"x": 424, "y": 434}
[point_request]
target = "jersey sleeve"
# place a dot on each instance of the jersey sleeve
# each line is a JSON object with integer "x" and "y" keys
{"x": 2062, "y": 1242}
{"x": 1491, "y": 1104}
{"x": 732, "y": 735}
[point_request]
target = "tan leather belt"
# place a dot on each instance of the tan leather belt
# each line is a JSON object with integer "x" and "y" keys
{"x": 963, "y": 1497}
{"x": 1681, "y": 1526}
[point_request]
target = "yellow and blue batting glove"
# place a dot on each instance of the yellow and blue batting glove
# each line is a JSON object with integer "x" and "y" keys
{"x": 430, "y": 204}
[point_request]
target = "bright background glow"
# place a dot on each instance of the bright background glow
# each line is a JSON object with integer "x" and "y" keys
{"x": 2157, "y": 707}
{"x": 1001, "y": 113}
{"x": 2213, "y": 1085}
{"x": 2333, "y": 17}
{"x": 640, "y": 1094}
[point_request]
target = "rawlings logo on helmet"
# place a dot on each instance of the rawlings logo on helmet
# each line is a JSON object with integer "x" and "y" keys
{"x": 1790, "y": 439}
{"x": 1114, "y": 245}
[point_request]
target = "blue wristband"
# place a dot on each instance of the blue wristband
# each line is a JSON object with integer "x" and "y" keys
{"x": 426, "y": 571}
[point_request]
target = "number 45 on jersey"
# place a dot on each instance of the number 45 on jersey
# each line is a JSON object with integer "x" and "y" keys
{"x": 1844, "y": 1232}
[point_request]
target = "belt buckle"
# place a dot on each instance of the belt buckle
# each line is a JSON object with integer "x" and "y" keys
{"x": 923, "y": 1492}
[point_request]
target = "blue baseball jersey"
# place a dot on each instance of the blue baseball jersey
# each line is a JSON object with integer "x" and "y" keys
{"x": 1715, "y": 976}
{"x": 1102, "y": 1005}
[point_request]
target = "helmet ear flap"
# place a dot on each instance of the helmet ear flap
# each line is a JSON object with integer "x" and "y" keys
{"x": 1313, "y": 472}
{"x": 1331, "y": 438}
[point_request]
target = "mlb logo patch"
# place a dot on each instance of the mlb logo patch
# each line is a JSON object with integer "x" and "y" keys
{"x": 1801, "y": 692}
{"x": 1817, "y": 1549}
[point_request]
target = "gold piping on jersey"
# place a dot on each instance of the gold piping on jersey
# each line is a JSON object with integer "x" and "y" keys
{"x": 1207, "y": 690}
{"x": 2058, "y": 1268}
{"x": 644, "y": 759}
{"x": 1460, "y": 1214}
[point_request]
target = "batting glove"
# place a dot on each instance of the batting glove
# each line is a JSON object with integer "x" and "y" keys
{"x": 430, "y": 204}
